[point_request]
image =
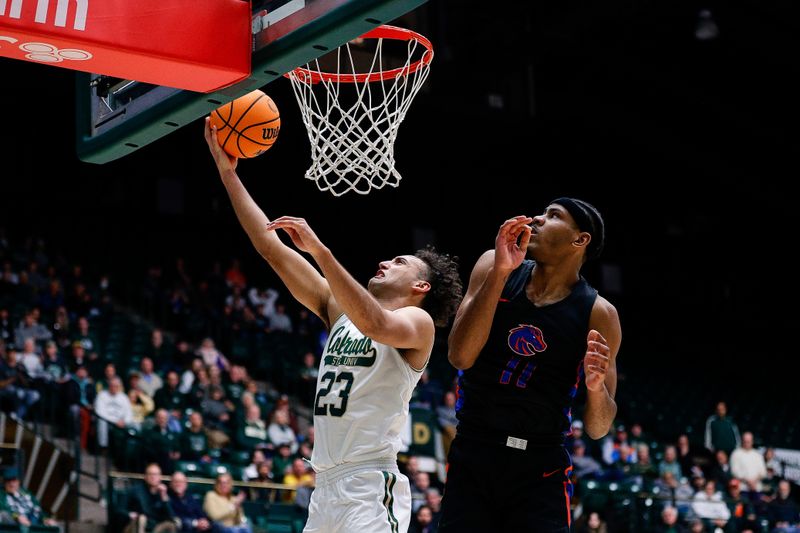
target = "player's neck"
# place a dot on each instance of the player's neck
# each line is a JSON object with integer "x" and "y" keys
{"x": 549, "y": 284}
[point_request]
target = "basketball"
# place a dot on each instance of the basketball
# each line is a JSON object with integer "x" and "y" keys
{"x": 247, "y": 126}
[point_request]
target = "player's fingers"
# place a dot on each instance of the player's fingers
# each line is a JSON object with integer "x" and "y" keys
{"x": 599, "y": 347}
{"x": 596, "y": 369}
{"x": 595, "y": 335}
{"x": 526, "y": 237}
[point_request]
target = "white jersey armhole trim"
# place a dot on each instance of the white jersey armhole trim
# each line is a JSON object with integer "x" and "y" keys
{"x": 418, "y": 370}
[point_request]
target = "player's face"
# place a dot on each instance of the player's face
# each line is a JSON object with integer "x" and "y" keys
{"x": 552, "y": 232}
{"x": 399, "y": 273}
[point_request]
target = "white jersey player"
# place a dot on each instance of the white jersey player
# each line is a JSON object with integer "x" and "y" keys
{"x": 380, "y": 339}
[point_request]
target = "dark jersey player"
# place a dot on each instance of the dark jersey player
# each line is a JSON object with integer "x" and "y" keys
{"x": 527, "y": 333}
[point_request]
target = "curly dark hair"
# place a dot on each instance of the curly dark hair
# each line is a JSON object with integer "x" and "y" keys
{"x": 446, "y": 288}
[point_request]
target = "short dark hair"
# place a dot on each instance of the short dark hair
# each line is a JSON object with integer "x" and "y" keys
{"x": 446, "y": 288}
{"x": 588, "y": 219}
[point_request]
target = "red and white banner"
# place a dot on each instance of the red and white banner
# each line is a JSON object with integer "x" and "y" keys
{"x": 199, "y": 45}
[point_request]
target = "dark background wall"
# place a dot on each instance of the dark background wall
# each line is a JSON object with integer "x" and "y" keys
{"x": 688, "y": 147}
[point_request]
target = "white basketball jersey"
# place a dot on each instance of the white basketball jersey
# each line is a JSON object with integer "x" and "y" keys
{"x": 361, "y": 405}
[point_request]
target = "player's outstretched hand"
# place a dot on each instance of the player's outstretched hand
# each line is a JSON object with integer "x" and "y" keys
{"x": 225, "y": 162}
{"x": 300, "y": 232}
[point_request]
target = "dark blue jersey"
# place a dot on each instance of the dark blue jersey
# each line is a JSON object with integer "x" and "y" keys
{"x": 526, "y": 376}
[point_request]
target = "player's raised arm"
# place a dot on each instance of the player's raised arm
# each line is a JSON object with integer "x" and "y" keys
{"x": 301, "y": 278}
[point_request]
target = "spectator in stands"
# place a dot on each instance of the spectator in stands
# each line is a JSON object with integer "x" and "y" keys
{"x": 783, "y": 511}
{"x": 772, "y": 462}
{"x": 109, "y": 373}
{"x": 419, "y": 486}
{"x": 86, "y": 337}
{"x": 6, "y": 326}
{"x": 30, "y": 328}
{"x": 234, "y": 276}
{"x": 19, "y": 504}
{"x": 141, "y": 405}
{"x": 252, "y": 433}
{"x": 301, "y": 479}
{"x": 201, "y": 387}
{"x": 433, "y": 499}
{"x": 446, "y": 416}
{"x": 593, "y": 524}
{"x": 189, "y": 376}
{"x": 114, "y": 407}
{"x": 161, "y": 351}
{"x": 193, "y": 441}
{"x": 708, "y": 505}
{"x": 428, "y": 392}
{"x": 31, "y": 360}
{"x": 670, "y": 463}
{"x": 211, "y": 356}
{"x": 675, "y": 491}
{"x": 612, "y": 443}
{"x": 81, "y": 357}
{"x": 637, "y": 436}
{"x": 216, "y": 417}
{"x": 169, "y": 397}
{"x": 743, "y": 512}
{"x": 186, "y": 506}
{"x": 263, "y": 300}
{"x": 62, "y": 334}
{"x": 263, "y": 475}
{"x": 747, "y": 464}
{"x": 690, "y": 458}
{"x": 643, "y": 468}
{"x": 149, "y": 381}
{"x": 282, "y": 462}
{"x": 307, "y": 379}
{"x": 721, "y": 432}
{"x": 55, "y": 370}
{"x": 16, "y": 385}
{"x": 280, "y": 432}
{"x": 583, "y": 465}
{"x": 257, "y": 457}
{"x": 720, "y": 471}
{"x": 79, "y": 396}
{"x": 280, "y": 321}
{"x": 423, "y": 521}
{"x": 149, "y": 506}
{"x": 236, "y": 383}
{"x": 224, "y": 509}
{"x": 161, "y": 444}
{"x": 669, "y": 521}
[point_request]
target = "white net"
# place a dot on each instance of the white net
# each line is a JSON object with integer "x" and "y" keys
{"x": 352, "y": 117}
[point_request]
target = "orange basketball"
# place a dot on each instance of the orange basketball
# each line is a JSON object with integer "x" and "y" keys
{"x": 247, "y": 126}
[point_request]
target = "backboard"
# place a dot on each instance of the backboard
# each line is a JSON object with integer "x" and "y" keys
{"x": 116, "y": 117}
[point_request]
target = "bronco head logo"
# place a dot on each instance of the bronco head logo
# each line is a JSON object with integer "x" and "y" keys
{"x": 526, "y": 340}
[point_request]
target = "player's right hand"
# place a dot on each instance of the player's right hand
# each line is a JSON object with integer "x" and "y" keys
{"x": 225, "y": 162}
{"x": 511, "y": 243}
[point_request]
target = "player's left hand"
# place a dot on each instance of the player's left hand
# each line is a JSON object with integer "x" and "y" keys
{"x": 595, "y": 363}
{"x": 300, "y": 232}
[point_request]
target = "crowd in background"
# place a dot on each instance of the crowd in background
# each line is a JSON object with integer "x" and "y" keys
{"x": 225, "y": 376}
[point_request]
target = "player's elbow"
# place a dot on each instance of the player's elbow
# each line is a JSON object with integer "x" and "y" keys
{"x": 597, "y": 433}
{"x": 459, "y": 360}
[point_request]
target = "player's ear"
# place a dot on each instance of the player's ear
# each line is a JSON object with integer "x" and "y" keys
{"x": 584, "y": 238}
{"x": 421, "y": 286}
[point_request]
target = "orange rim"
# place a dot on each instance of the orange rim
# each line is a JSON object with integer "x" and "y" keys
{"x": 381, "y": 32}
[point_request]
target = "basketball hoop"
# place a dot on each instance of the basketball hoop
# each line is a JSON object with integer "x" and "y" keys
{"x": 352, "y": 117}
